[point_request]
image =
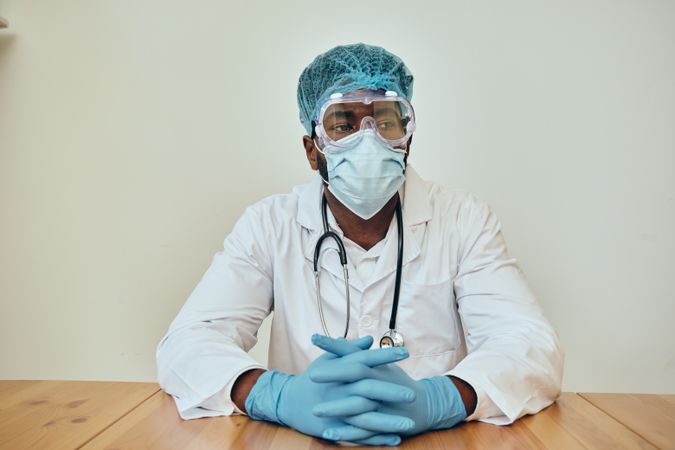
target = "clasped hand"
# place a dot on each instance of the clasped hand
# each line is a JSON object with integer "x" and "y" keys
{"x": 354, "y": 394}
{"x": 436, "y": 404}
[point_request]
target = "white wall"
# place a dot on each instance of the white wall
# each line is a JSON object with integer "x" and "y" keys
{"x": 134, "y": 133}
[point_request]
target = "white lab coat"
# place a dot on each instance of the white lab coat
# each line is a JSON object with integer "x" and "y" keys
{"x": 465, "y": 308}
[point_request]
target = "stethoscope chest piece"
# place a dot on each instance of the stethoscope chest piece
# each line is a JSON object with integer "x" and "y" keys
{"x": 391, "y": 338}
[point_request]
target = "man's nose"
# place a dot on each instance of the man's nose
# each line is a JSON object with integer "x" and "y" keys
{"x": 368, "y": 122}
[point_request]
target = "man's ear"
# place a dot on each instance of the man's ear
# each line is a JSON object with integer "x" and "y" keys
{"x": 310, "y": 152}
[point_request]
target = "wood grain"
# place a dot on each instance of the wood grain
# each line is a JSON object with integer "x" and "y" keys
{"x": 574, "y": 416}
{"x": 649, "y": 415}
{"x": 156, "y": 425}
{"x": 94, "y": 415}
{"x": 63, "y": 414}
{"x": 571, "y": 423}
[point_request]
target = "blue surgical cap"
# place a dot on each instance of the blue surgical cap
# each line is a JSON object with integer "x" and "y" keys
{"x": 346, "y": 68}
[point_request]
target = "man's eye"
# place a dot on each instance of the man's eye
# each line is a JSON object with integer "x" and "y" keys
{"x": 342, "y": 128}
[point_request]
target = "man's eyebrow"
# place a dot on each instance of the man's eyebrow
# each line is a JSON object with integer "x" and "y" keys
{"x": 340, "y": 113}
{"x": 387, "y": 109}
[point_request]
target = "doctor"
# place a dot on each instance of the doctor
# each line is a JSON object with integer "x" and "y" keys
{"x": 439, "y": 322}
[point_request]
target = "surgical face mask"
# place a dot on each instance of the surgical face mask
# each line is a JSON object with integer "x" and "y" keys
{"x": 364, "y": 173}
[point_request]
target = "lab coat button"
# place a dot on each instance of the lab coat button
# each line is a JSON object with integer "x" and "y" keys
{"x": 366, "y": 321}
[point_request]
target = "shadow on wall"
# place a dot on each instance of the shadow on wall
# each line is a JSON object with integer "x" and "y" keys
{"x": 7, "y": 39}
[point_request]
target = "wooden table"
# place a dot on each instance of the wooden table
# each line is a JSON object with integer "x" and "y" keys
{"x": 112, "y": 415}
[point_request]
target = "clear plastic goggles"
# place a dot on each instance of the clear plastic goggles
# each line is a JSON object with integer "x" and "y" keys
{"x": 390, "y": 116}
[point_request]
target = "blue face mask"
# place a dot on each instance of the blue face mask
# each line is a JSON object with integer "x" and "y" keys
{"x": 364, "y": 173}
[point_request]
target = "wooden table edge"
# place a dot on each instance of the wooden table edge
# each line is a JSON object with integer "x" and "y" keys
{"x": 586, "y": 397}
{"x": 161, "y": 393}
{"x": 122, "y": 416}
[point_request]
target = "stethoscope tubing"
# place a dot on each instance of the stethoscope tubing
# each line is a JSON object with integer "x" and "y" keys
{"x": 329, "y": 234}
{"x": 399, "y": 265}
{"x": 343, "y": 261}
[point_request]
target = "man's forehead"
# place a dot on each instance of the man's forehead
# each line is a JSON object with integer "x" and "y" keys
{"x": 358, "y": 108}
{"x": 357, "y": 92}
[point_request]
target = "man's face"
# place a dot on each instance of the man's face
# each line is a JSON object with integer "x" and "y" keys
{"x": 342, "y": 119}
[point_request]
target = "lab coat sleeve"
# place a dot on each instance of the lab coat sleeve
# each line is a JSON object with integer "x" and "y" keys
{"x": 205, "y": 349}
{"x": 514, "y": 359}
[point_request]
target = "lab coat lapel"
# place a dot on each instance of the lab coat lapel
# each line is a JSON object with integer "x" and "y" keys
{"x": 416, "y": 213}
{"x": 309, "y": 216}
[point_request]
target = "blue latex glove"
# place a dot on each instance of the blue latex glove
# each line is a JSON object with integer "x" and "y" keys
{"x": 289, "y": 399}
{"x": 437, "y": 404}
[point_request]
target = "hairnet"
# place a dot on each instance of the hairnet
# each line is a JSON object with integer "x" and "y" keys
{"x": 346, "y": 68}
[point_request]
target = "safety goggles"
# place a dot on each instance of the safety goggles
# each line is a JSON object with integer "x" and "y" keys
{"x": 391, "y": 118}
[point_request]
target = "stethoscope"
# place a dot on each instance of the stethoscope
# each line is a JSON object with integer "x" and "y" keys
{"x": 391, "y": 338}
